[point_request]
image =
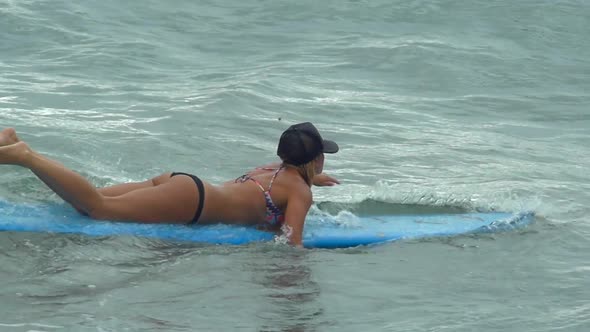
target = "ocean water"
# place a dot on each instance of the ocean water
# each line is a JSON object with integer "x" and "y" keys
{"x": 438, "y": 106}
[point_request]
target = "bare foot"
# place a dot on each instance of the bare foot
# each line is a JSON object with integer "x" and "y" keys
{"x": 8, "y": 137}
{"x": 14, "y": 154}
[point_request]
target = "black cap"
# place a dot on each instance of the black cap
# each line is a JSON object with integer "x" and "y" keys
{"x": 302, "y": 143}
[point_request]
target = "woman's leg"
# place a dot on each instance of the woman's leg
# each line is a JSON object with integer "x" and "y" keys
{"x": 69, "y": 185}
{"x": 172, "y": 201}
{"x": 175, "y": 201}
{"x": 123, "y": 188}
{"x": 8, "y": 137}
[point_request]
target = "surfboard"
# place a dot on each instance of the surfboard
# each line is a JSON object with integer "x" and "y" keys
{"x": 321, "y": 231}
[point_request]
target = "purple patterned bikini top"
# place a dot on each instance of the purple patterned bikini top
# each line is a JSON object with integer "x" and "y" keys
{"x": 274, "y": 215}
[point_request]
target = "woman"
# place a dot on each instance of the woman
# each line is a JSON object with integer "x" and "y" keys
{"x": 272, "y": 196}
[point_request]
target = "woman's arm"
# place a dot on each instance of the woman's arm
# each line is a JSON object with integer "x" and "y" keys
{"x": 298, "y": 205}
{"x": 324, "y": 179}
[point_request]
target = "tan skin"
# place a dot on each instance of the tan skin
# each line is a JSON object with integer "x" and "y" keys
{"x": 166, "y": 199}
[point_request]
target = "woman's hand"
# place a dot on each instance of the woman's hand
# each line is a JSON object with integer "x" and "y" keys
{"x": 324, "y": 179}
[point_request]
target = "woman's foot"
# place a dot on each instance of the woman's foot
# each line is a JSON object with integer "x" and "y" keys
{"x": 8, "y": 137}
{"x": 15, "y": 153}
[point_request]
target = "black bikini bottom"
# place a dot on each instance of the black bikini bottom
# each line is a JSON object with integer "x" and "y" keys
{"x": 201, "y": 189}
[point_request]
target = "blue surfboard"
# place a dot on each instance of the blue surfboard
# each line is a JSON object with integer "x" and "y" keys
{"x": 320, "y": 231}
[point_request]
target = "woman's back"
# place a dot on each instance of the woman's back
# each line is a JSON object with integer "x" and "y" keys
{"x": 258, "y": 197}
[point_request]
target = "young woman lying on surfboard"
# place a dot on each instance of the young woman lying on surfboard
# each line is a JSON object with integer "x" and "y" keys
{"x": 272, "y": 196}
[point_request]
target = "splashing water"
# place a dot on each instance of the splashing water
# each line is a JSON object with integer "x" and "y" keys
{"x": 285, "y": 235}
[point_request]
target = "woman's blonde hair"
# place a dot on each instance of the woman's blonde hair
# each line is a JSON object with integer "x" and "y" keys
{"x": 308, "y": 171}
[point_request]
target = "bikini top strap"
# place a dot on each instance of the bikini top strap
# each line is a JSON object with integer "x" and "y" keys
{"x": 272, "y": 180}
{"x": 257, "y": 183}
